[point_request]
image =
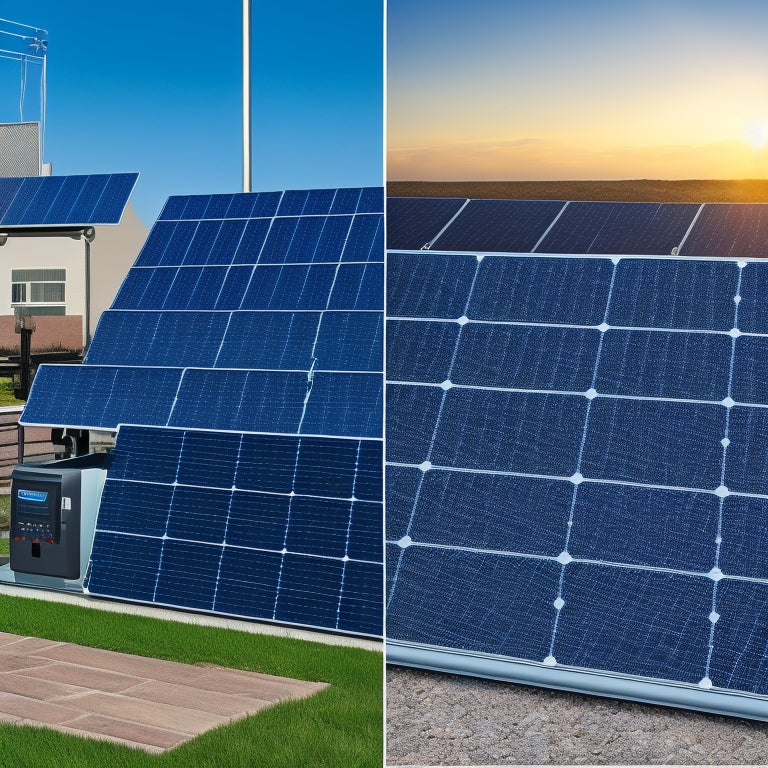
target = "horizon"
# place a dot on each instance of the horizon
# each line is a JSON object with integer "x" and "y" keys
{"x": 553, "y": 91}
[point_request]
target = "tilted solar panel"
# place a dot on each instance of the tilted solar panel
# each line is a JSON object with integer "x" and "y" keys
{"x": 499, "y": 225}
{"x": 413, "y": 222}
{"x": 64, "y": 200}
{"x": 576, "y": 487}
{"x": 244, "y": 319}
{"x": 619, "y": 228}
{"x": 286, "y": 529}
{"x": 245, "y": 349}
{"x": 729, "y": 229}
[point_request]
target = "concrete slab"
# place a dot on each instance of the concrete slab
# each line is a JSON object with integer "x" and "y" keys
{"x": 16, "y": 706}
{"x": 37, "y": 688}
{"x": 144, "y": 712}
{"x": 152, "y": 739}
{"x": 184, "y": 696}
{"x": 73, "y": 674}
{"x": 9, "y": 663}
{"x": 142, "y": 702}
{"x": 17, "y": 644}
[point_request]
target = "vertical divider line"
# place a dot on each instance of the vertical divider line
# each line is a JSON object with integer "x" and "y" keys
{"x": 226, "y": 523}
{"x": 168, "y": 517}
{"x": 284, "y": 552}
{"x": 715, "y": 573}
{"x": 345, "y": 559}
{"x": 564, "y": 557}
{"x": 417, "y": 495}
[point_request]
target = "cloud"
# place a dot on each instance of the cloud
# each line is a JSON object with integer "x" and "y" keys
{"x": 531, "y": 158}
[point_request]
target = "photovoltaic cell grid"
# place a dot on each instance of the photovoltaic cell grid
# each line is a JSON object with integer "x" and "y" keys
{"x": 576, "y": 467}
{"x": 412, "y": 222}
{"x": 499, "y": 225}
{"x": 244, "y": 314}
{"x": 248, "y": 312}
{"x": 285, "y": 529}
{"x": 549, "y": 226}
{"x": 619, "y": 228}
{"x": 730, "y": 229}
{"x": 64, "y": 200}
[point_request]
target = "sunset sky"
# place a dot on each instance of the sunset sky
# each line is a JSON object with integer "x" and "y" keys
{"x": 577, "y": 89}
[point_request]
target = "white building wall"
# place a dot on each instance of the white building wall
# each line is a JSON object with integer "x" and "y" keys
{"x": 112, "y": 253}
{"x": 44, "y": 253}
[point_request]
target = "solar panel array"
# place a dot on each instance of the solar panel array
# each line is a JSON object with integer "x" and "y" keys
{"x": 237, "y": 302}
{"x": 286, "y": 529}
{"x": 64, "y": 200}
{"x": 576, "y": 486}
{"x": 243, "y": 314}
{"x": 546, "y": 226}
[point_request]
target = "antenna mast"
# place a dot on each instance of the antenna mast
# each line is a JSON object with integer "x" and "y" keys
{"x": 26, "y": 45}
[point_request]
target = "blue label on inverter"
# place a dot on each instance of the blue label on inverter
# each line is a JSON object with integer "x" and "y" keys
{"x": 38, "y": 496}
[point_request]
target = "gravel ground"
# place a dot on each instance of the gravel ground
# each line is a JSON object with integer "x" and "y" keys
{"x": 440, "y": 719}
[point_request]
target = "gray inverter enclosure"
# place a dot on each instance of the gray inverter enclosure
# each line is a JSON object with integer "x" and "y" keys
{"x": 53, "y": 513}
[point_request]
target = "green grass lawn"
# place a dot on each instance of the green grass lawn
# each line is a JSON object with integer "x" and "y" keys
{"x": 6, "y": 393}
{"x": 340, "y": 726}
{"x": 5, "y": 511}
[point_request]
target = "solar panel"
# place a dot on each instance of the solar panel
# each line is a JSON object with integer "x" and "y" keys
{"x": 241, "y": 318}
{"x": 576, "y": 487}
{"x": 724, "y": 229}
{"x": 245, "y": 349}
{"x": 64, "y": 200}
{"x": 287, "y": 530}
{"x": 413, "y": 222}
{"x": 499, "y": 225}
{"x": 619, "y": 228}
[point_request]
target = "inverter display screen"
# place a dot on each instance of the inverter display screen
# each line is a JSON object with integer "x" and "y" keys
{"x": 32, "y": 503}
{"x": 36, "y": 508}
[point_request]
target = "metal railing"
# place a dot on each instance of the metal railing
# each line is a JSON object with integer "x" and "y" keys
{"x": 19, "y": 443}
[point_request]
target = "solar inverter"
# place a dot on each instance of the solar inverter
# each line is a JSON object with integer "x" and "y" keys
{"x": 53, "y": 514}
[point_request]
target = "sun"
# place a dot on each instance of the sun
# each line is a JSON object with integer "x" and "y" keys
{"x": 756, "y": 133}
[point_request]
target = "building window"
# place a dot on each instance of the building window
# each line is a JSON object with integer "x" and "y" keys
{"x": 32, "y": 288}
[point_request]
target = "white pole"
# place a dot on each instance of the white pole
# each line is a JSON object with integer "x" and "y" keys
{"x": 246, "y": 95}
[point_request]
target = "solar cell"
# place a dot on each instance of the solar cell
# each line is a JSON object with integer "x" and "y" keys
{"x": 168, "y": 339}
{"x": 499, "y": 225}
{"x": 739, "y": 230}
{"x": 216, "y": 540}
{"x": 413, "y": 222}
{"x": 101, "y": 397}
{"x": 37, "y": 201}
{"x": 576, "y": 473}
{"x": 619, "y": 228}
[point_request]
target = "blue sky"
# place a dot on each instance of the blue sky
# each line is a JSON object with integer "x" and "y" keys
{"x": 155, "y": 87}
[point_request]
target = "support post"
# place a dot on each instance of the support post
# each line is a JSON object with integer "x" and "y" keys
{"x": 246, "y": 95}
